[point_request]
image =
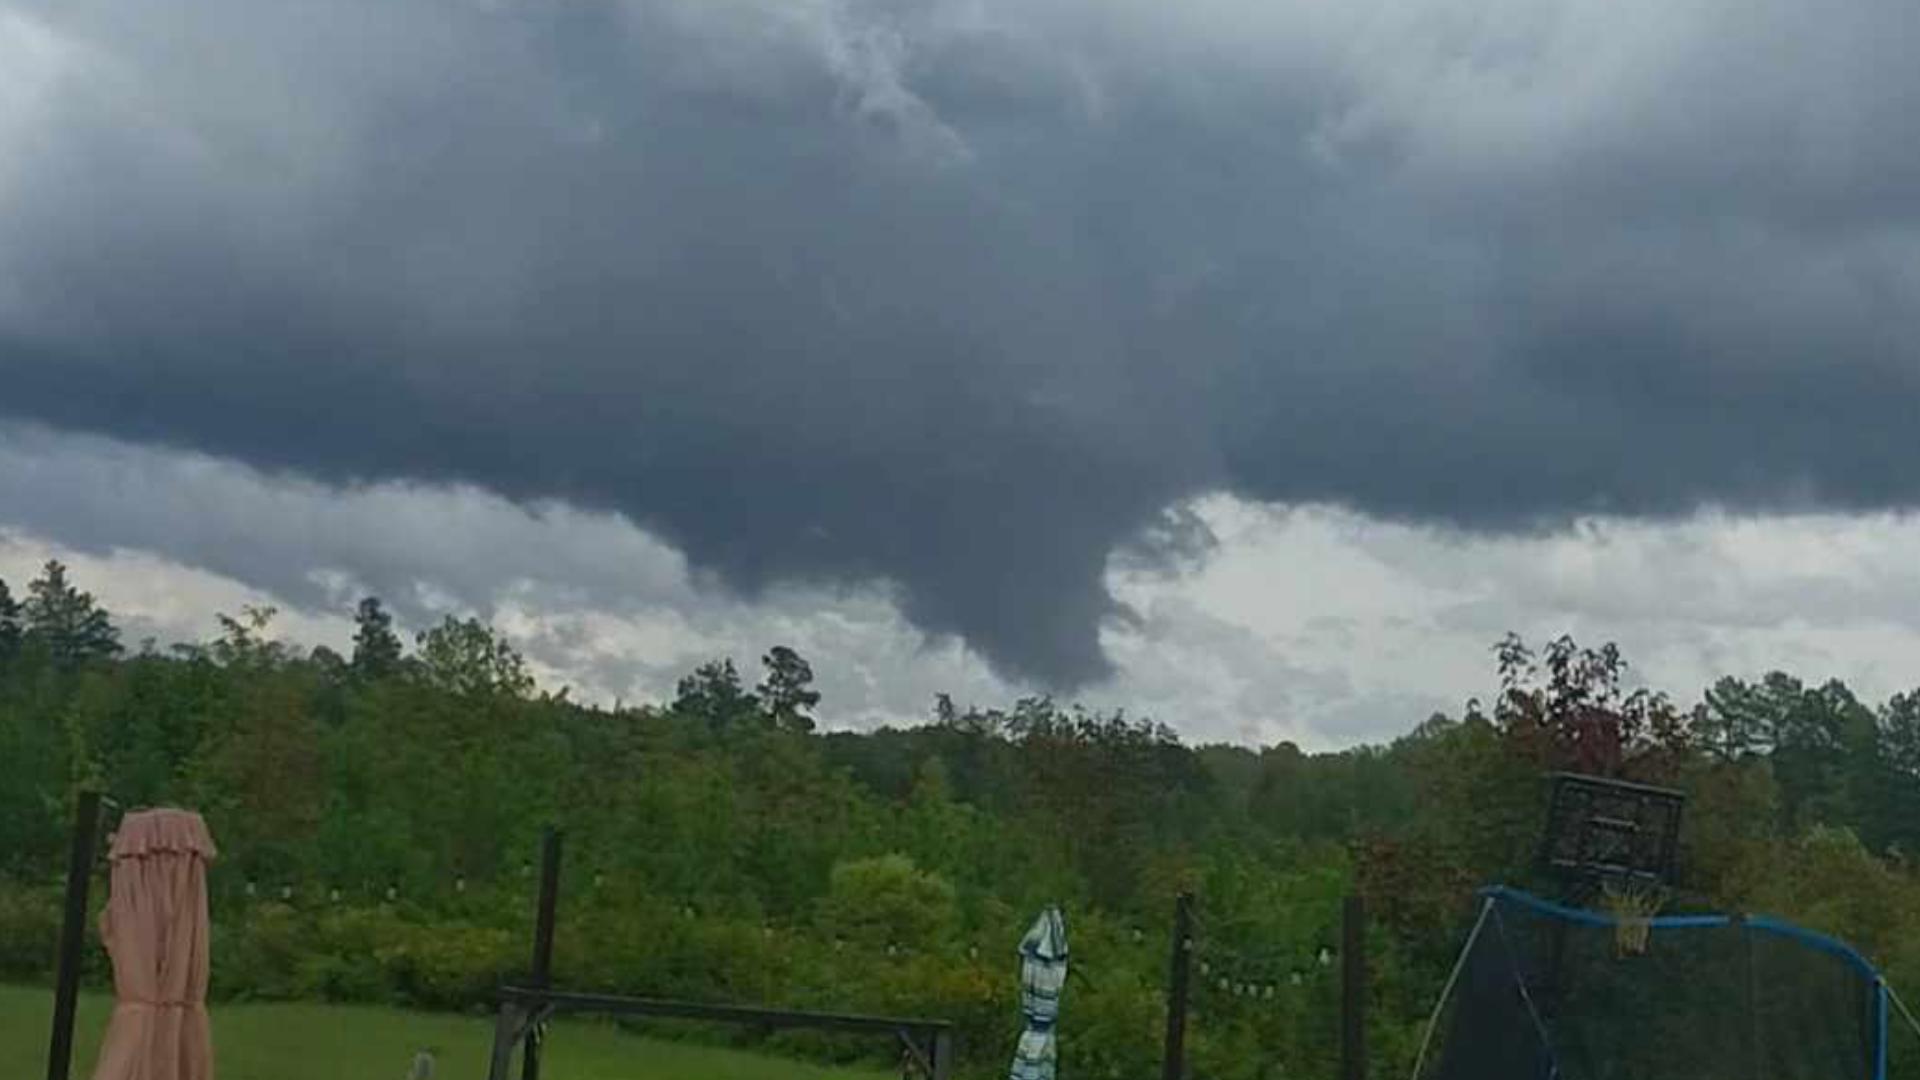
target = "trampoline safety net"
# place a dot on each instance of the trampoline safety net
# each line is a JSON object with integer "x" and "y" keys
{"x": 1545, "y": 992}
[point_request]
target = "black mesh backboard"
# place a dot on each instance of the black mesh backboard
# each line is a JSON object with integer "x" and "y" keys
{"x": 1610, "y": 830}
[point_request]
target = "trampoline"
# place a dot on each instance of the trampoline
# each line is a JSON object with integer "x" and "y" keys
{"x": 1545, "y": 991}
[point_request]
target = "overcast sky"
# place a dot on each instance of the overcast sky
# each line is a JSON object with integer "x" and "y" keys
{"x": 1254, "y": 365}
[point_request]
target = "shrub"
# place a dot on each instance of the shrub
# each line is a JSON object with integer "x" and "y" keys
{"x": 29, "y": 931}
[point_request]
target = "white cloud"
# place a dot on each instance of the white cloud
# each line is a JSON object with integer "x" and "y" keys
{"x": 153, "y": 597}
{"x": 1408, "y": 614}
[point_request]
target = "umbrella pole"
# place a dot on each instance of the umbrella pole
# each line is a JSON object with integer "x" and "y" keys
{"x": 66, "y": 991}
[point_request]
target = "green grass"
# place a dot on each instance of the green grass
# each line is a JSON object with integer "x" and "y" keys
{"x": 337, "y": 1042}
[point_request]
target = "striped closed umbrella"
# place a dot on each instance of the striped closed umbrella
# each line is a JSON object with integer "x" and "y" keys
{"x": 1043, "y": 975}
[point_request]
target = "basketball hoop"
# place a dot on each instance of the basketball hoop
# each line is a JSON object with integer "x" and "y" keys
{"x": 1615, "y": 839}
{"x": 1610, "y": 832}
{"x": 1632, "y": 904}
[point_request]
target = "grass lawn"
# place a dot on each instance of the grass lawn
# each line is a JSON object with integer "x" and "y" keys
{"x": 336, "y": 1042}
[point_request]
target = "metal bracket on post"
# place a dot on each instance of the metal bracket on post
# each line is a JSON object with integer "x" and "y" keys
{"x": 515, "y": 1021}
{"x": 920, "y": 1057}
{"x": 507, "y": 1028}
{"x": 928, "y": 1050}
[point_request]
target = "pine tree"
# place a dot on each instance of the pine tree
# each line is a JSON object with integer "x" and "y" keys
{"x": 376, "y": 648}
{"x": 66, "y": 623}
{"x": 9, "y": 623}
{"x": 787, "y": 691}
{"x": 713, "y": 694}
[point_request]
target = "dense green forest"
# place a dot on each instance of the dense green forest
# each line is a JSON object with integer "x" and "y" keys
{"x": 379, "y": 817}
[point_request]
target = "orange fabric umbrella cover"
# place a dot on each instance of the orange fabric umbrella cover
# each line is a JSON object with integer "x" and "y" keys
{"x": 155, "y": 929}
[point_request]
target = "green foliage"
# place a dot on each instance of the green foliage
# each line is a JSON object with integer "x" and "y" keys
{"x": 29, "y": 930}
{"x": 10, "y": 627}
{"x": 887, "y": 901}
{"x": 65, "y": 624}
{"x": 465, "y": 657}
{"x": 377, "y": 653}
{"x": 1569, "y": 708}
{"x": 787, "y": 692}
{"x": 379, "y": 820}
{"x": 713, "y": 694}
{"x": 288, "y": 951}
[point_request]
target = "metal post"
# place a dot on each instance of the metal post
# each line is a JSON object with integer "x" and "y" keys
{"x": 66, "y": 993}
{"x": 943, "y": 1054}
{"x": 542, "y": 974}
{"x": 505, "y": 1027}
{"x": 1353, "y": 987}
{"x": 1173, "y": 1065}
{"x": 1756, "y": 1040}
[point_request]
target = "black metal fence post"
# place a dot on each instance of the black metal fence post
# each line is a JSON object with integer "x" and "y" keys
{"x": 1173, "y": 1065}
{"x": 943, "y": 1054}
{"x": 542, "y": 974}
{"x": 1353, "y": 989}
{"x": 73, "y": 932}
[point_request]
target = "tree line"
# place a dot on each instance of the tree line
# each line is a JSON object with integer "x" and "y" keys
{"x": 379, "y": 814}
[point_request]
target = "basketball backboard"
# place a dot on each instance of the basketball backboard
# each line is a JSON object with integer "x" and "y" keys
{"x": 1600, "y": 830}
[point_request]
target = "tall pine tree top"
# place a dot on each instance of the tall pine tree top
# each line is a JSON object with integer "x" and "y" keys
{"x": 376, "y": 648}
{"x": 787, "y": 692}
{"x": 9, "y": 622}
{"x": 66, "y": 623}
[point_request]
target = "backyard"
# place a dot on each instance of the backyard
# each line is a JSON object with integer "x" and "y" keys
{"x": 331, "y": 1042}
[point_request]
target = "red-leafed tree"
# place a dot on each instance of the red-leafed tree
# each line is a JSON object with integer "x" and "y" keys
{"x": 1569, "y": 708}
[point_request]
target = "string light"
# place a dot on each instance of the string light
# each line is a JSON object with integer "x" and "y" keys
{"x": 1259, "y": 974}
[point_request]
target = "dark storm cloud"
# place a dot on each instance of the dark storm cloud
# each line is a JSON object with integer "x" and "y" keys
{"x": 961, "y": 297}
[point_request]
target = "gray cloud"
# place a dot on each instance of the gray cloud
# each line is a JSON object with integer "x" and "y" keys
{"x": 169, "y": 539}
{"x": 1308, "y": 623}
{"x": 960, "y": 297}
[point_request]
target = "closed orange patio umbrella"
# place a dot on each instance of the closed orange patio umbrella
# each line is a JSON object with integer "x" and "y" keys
{"x": 155, "y": 929}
